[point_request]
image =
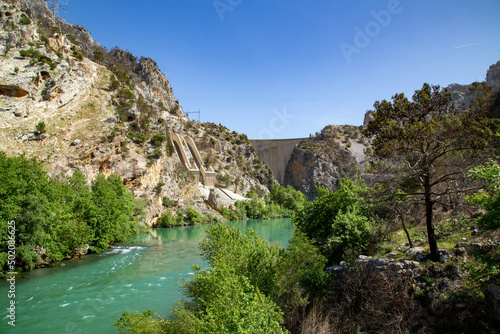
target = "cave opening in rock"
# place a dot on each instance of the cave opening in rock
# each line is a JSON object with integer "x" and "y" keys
{"x": 13, "y": 91}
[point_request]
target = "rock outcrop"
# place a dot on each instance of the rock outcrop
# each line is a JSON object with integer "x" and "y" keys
{"x": 335, "y": 153}
{"x": 105, "y": 112}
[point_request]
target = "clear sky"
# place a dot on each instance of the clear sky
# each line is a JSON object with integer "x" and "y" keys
{"x": 285, "y": 69}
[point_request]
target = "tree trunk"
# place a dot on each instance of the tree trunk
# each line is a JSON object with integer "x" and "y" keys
{"x": 434, "y": 256}
{"x": 407, "y": 233}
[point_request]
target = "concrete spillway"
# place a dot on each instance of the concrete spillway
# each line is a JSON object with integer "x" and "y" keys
{"x": 190, "y": 156}
{"x": 276, "y": 153}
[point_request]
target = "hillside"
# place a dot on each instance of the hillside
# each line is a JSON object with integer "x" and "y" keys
{"x": 72, "y": 104}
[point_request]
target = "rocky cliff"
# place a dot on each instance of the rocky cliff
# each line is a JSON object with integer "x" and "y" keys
{"x": 72, "y": 104}
{"x": 335, "y": 153}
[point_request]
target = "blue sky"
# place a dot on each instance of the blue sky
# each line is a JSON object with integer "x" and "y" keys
{"x": 285, "y": 69}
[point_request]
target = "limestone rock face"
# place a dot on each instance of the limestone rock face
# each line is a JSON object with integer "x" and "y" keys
{"x": 337, "y": 152}
{"x": 101, "y": 110}
{"x": 493, "y": 76}
{"x": 155, "y": 85}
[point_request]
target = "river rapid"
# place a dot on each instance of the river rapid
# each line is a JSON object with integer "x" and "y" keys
{"x": 88, "y": 295}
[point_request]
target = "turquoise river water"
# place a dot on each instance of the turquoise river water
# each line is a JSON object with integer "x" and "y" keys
{"x": 88, "y": 295}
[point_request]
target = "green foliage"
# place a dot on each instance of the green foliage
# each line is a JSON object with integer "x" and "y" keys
{"x": 167, "y": 202}
{"x": 111, "y": 214}
{"x": 114, "y": 83}
{"x": 193, "y": 216}
{"x": 37, "y": 57}
{"x": 122, "y": 77}
{"x": 301, "y": 276}
{"x": 30, "y": 53}
{"x": 288, "y": 197}
{"x": 72, "y": 39}
{"x": 179, "y": 218}
{"x": 16, "y": 69}
{"x": 41, "y": 127}
{"x": 281, "y": 202}
{"x": 99, "y": 57}
{"x": 137, "y": 138}
{"x": 45, "y": 39}
{"x": 78, "y": 55}
{"x": 249, "y": 254}
{"x": 489, "y": 199}
{"x": 225, "y": 302}
{"x": 126, "y": 94}
{"x": 223, "y": 179}
{"x": 336, "y": 221}
{"x": 157, "y": 139}
{"x": 433, "y": 140}
{"x": 146, "y": 322}
{"x": 56, "y": 218}
{"x": 350, "y": 234}
{"x": 157, "y": 153}
{"x": 167, "y": 219}
{"x": 24, "y": 20}
{"x": 170, "y": 148}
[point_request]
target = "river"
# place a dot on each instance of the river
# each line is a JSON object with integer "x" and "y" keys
{"x": 88, "y": 295}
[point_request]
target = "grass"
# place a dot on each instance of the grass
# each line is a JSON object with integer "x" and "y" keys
{"x": 449, "y": 232}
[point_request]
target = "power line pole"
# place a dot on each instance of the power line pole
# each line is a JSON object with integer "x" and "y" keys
{"x": 54, "y": 6}
{"x": 195, "y": 112}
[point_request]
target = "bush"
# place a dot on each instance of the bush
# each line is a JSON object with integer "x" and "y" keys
{"x": 157, "y": 153}
{"x": 225, "y": 302}
{"x": 141, "y": 323}
{"x": 24, "y": 20}
{"x": 54, "y": 219}
{"x": 158, "y": 139}
{"x": 167, "y": 219}
{"x": 41, "y": 127}
{"x": 249, "y": 254}
{"x": 114, "y": 84}
{"x": 336, "y": 221}
{"x": 168, "y": 202}
{"x": 489, "y": 199}
{"x": 193, "y": 216}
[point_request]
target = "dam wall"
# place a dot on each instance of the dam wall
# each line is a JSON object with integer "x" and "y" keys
{"x": 275, "y": 153}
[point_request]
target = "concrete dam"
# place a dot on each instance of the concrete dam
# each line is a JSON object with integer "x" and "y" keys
{"x": 276, "y": 153}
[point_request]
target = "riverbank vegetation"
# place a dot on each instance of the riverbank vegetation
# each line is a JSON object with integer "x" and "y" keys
{"x": 279, "y": 203}
{"x": 430, "y": 222}
{"x": 61, "y": 218}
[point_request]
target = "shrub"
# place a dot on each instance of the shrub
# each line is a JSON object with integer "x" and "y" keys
{"x": 114, "y": 84}
{"x": 193, "y": 216}
{"x": 72, "y": 39}
{"x": 167, "y": 202}
{"x": 41, "y": 127}
{"x": 225, "y": 302}
{"x": 157, "y": 153}
{"x": 336, "y": 221}
{"x": 78, "y": 55}
{"x": 141, "y": 323}
{"x": 98, "y": 57}
{"x": 24, "y": 20}
{"x": 167, "y": 219}
{"x": 490, "y": 199}
{"x": 158, "y": 139}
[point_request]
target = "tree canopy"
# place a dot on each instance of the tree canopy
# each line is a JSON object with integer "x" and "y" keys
{"x": 432, "y": 143}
